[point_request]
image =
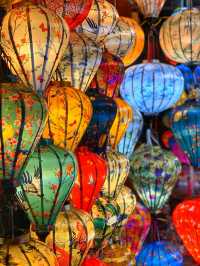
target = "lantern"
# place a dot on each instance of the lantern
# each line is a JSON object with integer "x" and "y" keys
{"x": 22, "y": 119}
{"x": 109, "y": 75}
{"x": 150, "y": 8}
{"x": 70, "y": 112}
{"x": 118, "y": 169}
{"x": 152, "y": 87}
{"x": 133, "y": 132}
{"x": 100, "y": 21}
{"x": 188, "y": 77}
{"x": 197, "y": 75}
{"x": 154, "y": 173}
{"x": 93, "y": 261}
{"x": 45, "y": 184}
{"x": 33, "y": 47}
{"x": 177, "y": 43}
{"x": 135, "y": 231}
{"x": 159, "y": 253}
{"x": 74, "y": 232}
{"x": 91, "y": 177}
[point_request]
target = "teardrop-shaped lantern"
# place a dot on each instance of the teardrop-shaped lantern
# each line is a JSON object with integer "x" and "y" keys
{"x": 34, "y": 40}
{"x": 177, "y": 43}
{"x": 22, "y": 119}
{"x": 100, "y": 21}
{"x": 45, "y": 184}
{"x": 152, "y": 87}
{"x": 80, "y": 62}
{"x": 118, "y": 170}
{"x": 133, "y": 132}
{"x": 154, "y": 173}
{"x": 70, "y": 112}
{"x": 91, "y": 177}
{"x": 109, "y": 75}
{"x": 150, "y": 8}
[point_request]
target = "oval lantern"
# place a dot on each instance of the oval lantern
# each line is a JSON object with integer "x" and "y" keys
{"x": 187, "y": 72}
{"x": 196, "y": 74}
{"x": 152, "y": 87}
{"x": 74, "y": 232}
{"x": 33, "y": 47}
{"x": 80, "y": 62}
{"x": 153, "y": 174}
{"x": 109, "y": 75}
{"x": 159, "y": 253}
{"x": 100, "y": 21}
{"x": 93, "y": 261}
{"x": 127, "y": 144}
{"x": 70, "y": 112}
{"x": 44, "y": 190}
{"x": 177, "y": 43}
{"x": 91, "y": 177}
{"x": 22, "y": 119}
{"x": 150, "y": 8}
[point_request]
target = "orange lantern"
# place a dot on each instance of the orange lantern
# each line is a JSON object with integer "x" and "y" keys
{"x": 93, "y": 261}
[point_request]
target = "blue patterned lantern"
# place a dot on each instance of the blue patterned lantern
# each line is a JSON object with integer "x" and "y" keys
{"x": 159, "y": 253}
{"x": 152, "y": 87}
{"x": 197, "y": 75}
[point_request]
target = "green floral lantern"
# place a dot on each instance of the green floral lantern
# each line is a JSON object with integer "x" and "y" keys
{"x": 45, "y": 185}
{"x": 153, "y": 174}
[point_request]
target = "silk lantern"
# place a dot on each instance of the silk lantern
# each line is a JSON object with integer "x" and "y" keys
{"x": 45, "y": 184}
{"x": 109, "y": 75}
{"x": 34, "y": 40}
{"x": 150, "y": 8}
{"x": 152, "y": 87}
{"x": 100, "y": 21}
{"x": 159, "y": 253}
{"x": 189, "y": 78}
{"x": 80, "y": 62}
{"x": 91, "y": 177}
{"x": 132, "y": 135}
{"x": 74, "y": 232}
{"x": 177, "y": 43}
{"x": 93, "y": 261}
{"x": 153, "y": 174}
{"x": 70, "y": 112}
{"x": 22, "y": 119}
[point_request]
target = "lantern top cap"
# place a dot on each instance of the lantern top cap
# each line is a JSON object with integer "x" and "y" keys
{"x": 154, "y": 61}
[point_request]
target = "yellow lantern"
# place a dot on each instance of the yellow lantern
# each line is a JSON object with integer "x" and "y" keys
{"x": 33, "y": 39}
{"x": 150, "y": 8}
{"x": 70, "y": 112}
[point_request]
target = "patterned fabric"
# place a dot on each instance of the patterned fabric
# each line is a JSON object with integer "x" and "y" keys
{"x": 150, "y": 8}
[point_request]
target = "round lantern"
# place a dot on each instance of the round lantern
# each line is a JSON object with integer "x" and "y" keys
{"x": 133, "y": 132}
{"x": 159, "y": 253}
{"x": 80, "y": 62}
{"x": 22, "y": 119}
{"x": 188, "y": 77}
{"x": 100, "y": 21}
{"x": 45, "y": 184}
{"x": 109, "y": 75}
{"x": 154, "y": 173}
{"x": 196, "y": 74}
{"x": 177, "y": 43}
{"x": 33, "y": 47}
{"x": 70, "y": 112}
{"x": 93, "y": 261}
{"x": 150, "y": 8}
{"x": 118, "y": 170}
{"x": 74, "y": 232}
{"x": 152, "y": 87}
{"x": 91, "y": 177}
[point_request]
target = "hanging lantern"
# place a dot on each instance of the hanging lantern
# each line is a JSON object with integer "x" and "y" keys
{"x": 109, "y": 76}
{"x": 23, "y": 116}
{"x": 197, "y": 75}
{"x": 43, "y": 190}
{"x": 91, "y": 177}
{"x": 100, "y": 21}
{"x": 118, "y": 170}
{"x": 154, "y": 173}
{"x": 74, "y": 232}
{"x": 150, "y": 8}
{"x": 159, "y": 253}
{"x": 70, "y": 112}
{"x": 94, "y": 261}
{"x": 188, "y": 77}
{"x": 179, "y": 36}
{"x": 152, "y": 87}
{"x": 135, "y": 231}
{"x": 33, "y": 47}
{"x": 127, "y": 144}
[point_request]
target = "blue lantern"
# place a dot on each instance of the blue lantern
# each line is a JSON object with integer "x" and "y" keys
{"x": 152, "y": 87}
{"x": 128, "y": 142}
{"x": 197, "y": 76}
{"x": 159, "y": 253}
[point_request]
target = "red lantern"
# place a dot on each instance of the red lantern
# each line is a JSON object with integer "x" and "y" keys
{"x": 93, "y": 261}
{"x": 91, "y": 177}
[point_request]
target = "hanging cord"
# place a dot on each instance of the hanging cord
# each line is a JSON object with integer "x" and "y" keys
{"x": 150, "y": 138}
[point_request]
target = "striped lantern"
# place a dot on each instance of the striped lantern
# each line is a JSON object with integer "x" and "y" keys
{"x": 80, "y": 62}
{"x": 70, "y": 112}
{"x": 179, "y": 36}
{"x": 34, "y": 40}
{"x": 150, "y": 8}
